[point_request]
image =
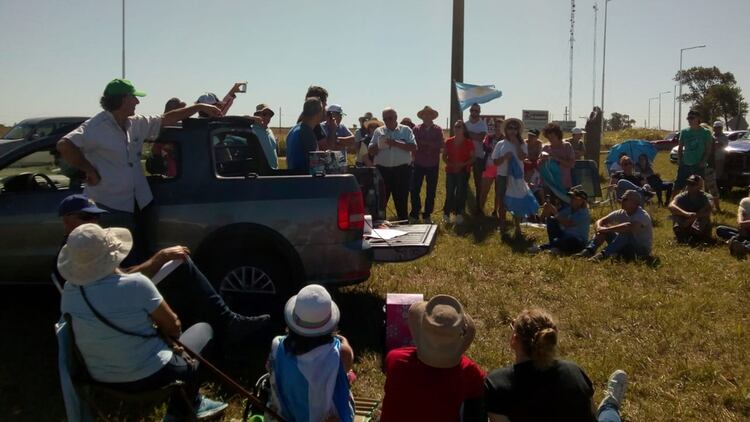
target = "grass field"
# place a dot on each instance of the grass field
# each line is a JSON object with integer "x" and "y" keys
{"x": 680, "y": 328}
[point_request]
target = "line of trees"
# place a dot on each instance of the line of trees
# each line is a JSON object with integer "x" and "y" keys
{"x": 713, "y": 93}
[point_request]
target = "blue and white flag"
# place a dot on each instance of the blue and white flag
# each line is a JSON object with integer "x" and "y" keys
{"x": 469, "y": 94}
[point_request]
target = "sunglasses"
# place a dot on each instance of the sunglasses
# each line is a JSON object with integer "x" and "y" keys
{"x": 473, "y": 111}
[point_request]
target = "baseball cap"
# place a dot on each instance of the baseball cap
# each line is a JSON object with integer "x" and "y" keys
{"x": 577, "y": 131}
{"x": 78, "y": 203}
{"x": 693, "y": 179}
{"x": 631, "y": 194}
{"x": 718, "y": 123}
{"x": 208, "y": 98}
{"x": 534, "y": 132}
{"x": 335, "y": 108}
{"x": 122, "y": 87}
{"x": 579, "y": 192}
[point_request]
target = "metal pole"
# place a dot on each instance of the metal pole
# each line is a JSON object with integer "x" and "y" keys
{"x": 123, "y": 39}
{"x": 660, "y": 94}
{"x": 648, "y": 126}
{"x": 457, "y": 58}
{"x": 593, "y": 84}
{"x": 674, "y": 108}
{"x": 679, "y": 98}
{"x": 572, "y": 41}
{"x": 604, "y": 59}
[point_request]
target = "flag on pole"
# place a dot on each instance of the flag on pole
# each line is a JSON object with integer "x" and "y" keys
{"x": 469, "y": 94}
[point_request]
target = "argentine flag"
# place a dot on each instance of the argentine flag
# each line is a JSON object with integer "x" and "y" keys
{"x": 469, "y": 94}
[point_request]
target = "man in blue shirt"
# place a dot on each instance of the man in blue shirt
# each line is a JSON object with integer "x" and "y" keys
{"x": 301, "y": 139}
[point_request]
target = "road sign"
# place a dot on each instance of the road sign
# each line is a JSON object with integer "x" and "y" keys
{"x": 535, "y": 119}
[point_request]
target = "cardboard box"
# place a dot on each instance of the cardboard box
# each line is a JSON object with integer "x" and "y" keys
{"x": 397, "y": 333}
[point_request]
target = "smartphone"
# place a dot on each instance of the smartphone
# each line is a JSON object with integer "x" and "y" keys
{"x": 243, "y": 87}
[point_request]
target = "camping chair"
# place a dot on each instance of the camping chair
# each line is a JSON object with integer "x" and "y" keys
{"x": 91, "y": 391}
{"x": 585, "y": 174}
{"x": 365, "y": 409}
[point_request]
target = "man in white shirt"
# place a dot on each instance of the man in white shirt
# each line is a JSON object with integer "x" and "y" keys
{"x": 107, "y": 148}
{"x": 392, "y": 146}
{"x": 477, "y": 131}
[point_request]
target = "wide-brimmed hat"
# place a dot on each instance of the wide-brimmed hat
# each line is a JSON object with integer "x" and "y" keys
{"x": 427, "y": 113}
{"x": 373, "y": 123}
{"x": 441, "y": 330}
{"x": 92, "y": 253}
{"x": 263, "y": 108}
{"x": 312, "y": 312}
{"x": 512, "y": 120}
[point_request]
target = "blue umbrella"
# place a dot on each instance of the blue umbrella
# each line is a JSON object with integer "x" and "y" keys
{"x": 633, "y": 148}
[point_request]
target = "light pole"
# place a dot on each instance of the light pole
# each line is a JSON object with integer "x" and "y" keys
{"x": 123, "y": 39}
{"x": 660, "y": 94}
{"x": 674, "y": 108}
{"x": 604, "y": 57}
{"x": 593, "y": 84}
{"x": 648, "y": 126}
{"x": 457, "y": 58}
{"x": 679, "y": 97}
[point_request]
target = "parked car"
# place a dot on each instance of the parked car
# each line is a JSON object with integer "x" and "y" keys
{"x": 670, "y": 140}
{"x": 38, "y": 127}
{"x": 736, "y": 163}
{"x": 734, "y": 135}
{"x": 254, "y": 230}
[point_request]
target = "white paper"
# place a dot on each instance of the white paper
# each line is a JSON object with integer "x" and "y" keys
{"x": 166, "y": 270}
{"x": 385, "y": 234}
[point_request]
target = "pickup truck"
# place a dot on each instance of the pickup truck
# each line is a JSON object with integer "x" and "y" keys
{"x": 258, "y": 233}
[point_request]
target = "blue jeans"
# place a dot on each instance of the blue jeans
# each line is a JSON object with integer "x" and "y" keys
{"x": 620, "y": 244}
{"x": 683, "y": 172}
{"x": 726, "y": 233}
{"x": 418, "y": 174}
{"x": 559, "y": 239}
{"x": 455, "y": 195}
{"x": 608, "y": 413}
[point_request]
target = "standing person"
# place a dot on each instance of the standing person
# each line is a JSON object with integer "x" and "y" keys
{"x": 344, "y": 137}
{"x": 715, "y": 169}
{"x": 490, "y": 170}
{"x": 560, "y": 152}
{"x": 326, "y": 140}
{"x": 541, "y": 387}
{"x": 393, "y": 145}
{"x": 576, "y": 140}
{"x": 361, "y": 134}
{"x": 224, "y": 104}
{"x": 458, "y": 157}
{"x": 567, "y": 228}
{"x": 434, "y": 380}
{"x": 265, "y": 135}
{"x": 691, "y": 213}
{"x": 300, "y": 140}
{"x": 531, "y": 165}
{"x": 477, "y": 131}
{"x": 174, "y": 103}
{"x": 107, "y": 148}
{"x": 308, "y": 366}
{"x": 513, "y": 148}
{"x": 593, "y": 139}
{"x": 628, "y": 232}
{"x": 365, "y": 158}
{"x": 738, "y": 238}
{"x": 693, "y": 150}
{"x": 429, "y": 137}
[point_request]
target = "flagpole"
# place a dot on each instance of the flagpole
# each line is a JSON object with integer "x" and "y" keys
{"x": 457, "y": 59}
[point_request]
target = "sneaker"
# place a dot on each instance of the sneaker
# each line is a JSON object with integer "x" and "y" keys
{"x": 446, "y": 219}
{"x": 615, "y": 392}
{"x": 534, "y": 249}
{"x": 598, "y": 257}
{"x": 459, "y": 219}
{"x": 208, "y": 408}
{"x": 586, "y": 253}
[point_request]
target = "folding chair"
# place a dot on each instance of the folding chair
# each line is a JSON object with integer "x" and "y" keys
{"x": 92, "y": 391}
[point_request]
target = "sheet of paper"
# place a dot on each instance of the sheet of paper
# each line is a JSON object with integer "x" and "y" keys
{"x": 385, "y": 234}
{"x": 165, "y": 270}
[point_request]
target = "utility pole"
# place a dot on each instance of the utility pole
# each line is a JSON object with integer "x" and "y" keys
{"x": 660, "y": 94}
{"x": 572, "y": 41}
{"x": 649, "y": 111}
{"x": 593, "y": 83}
{"x": 679, "y": 98}
{"x": 604, "y": 59}
{"x": 123, "y": 39}
{"x": 457, "y": 58}
{"x": 674, "y": 108}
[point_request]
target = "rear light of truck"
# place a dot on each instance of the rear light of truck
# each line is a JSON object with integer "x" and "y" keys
{"x": 351, "y": 211}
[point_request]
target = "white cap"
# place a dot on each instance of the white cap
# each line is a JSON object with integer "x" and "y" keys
{"x": 208, "y": 98}
{"x": 335, "y": 108}
{"x": 577, "y": 131}
{"x": 718, "y": 123}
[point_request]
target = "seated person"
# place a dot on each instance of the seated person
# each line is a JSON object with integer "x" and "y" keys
{"x": 434, "y": 381}
{"x": 568, "y": 228}
{"x": 309, "y": 365}
{"x": 615, "y": 167}
{"x": 691, "y": 213}
{"x": 98, "y": 296}
{"x": 626, "y": 179}
{"x": 739, "y": 238}
{"x": 628, "y": 232}
{"x": 188, "y": 291}
{"x": 540, "y": 387}
{"x": 646, "y": 171}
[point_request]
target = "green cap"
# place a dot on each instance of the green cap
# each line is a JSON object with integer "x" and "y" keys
{"x": 122, "y": 87}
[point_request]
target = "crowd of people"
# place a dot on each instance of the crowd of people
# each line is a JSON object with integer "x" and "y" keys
{"x": 124, "y": 322}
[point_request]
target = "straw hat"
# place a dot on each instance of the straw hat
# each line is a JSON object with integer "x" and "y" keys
{"x": 92, "y": 253}
{"x": 441, "y": 331}
{"x": 512, "y": 120}
{"x": 427, "y": 113}
{"x": 373, "y": 123}
{"x": 312, "y": 312}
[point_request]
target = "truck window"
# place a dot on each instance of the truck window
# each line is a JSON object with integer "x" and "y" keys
{"x": 237, "y": 153}
{"x": 161, "y": 159}
{"x": 42, "y": 170}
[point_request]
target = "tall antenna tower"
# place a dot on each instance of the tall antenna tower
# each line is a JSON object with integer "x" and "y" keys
{"x": 572, "y": 40}
{"x": 593, "y": 89}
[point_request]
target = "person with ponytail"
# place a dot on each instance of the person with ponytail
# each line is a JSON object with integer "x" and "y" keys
{"x": 541, "y": 387}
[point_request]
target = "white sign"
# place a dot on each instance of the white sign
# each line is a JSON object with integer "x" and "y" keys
{"x": 535, "y": 119}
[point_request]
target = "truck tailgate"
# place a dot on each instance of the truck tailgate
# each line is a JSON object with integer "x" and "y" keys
{"x": 416, "y": 243}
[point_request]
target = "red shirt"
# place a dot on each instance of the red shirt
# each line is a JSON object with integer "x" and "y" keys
{"x": 458, "y": 154}
{"x": 418, "y": 392}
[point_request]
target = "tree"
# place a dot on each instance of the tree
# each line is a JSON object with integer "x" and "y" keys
{"x": 712, "y": 93}
{"x": 618, "y": 121}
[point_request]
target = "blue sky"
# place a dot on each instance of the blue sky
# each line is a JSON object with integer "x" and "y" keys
{"x": 57, "y": 56}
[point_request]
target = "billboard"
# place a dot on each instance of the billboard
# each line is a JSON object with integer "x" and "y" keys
{"x": 535, "y": 119}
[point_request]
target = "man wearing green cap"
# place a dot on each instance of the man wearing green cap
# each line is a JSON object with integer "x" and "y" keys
{"x": 107, "y": 147}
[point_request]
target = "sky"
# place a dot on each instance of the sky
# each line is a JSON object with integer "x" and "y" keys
{"x": 56, "y": 56}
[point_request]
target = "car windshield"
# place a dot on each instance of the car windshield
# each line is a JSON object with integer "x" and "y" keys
{"x": 746, "y": 136}
{"x": 19, "y": 131}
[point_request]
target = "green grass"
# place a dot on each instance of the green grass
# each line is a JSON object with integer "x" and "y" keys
{"x": 680, "y": 329}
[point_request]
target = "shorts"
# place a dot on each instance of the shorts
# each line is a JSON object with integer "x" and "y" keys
{"x": 501, "y": 184}
{"x": 710, "y": 182}
{"x": 490, "y": 171}
{"x": 683, "y": 172}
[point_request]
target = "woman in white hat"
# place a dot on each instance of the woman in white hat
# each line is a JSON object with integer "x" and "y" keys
{"x": 434, "y": 381}
{"x": 309, "y": 365}
{"x": 119, "y": 320}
